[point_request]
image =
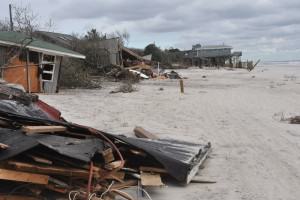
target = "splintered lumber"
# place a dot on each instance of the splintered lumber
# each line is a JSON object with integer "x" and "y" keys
{"x": 15, "y": 197}
{"x": 51, "y": 170}
{"x": 151, "y": 179}
{"x": 142, "y": 133}
{"x": 12, "y": 175}
{"x": 113, "y": 165}
{"x": 3, "y": 146}
{"x": 43, "y": 129}
{"x": 108, "y": 155}
{"x": 153, "y": 169}
{"x": 40, "y": 159}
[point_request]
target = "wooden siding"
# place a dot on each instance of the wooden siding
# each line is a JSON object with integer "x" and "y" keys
{"x": 16, "y": 72}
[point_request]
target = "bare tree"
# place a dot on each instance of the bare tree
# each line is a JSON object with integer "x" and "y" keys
{"x": 25, "y": 19}
{"x": 4, "y": 25}
{"x": 50, "y": 25}
{"x": 123, "y": 35}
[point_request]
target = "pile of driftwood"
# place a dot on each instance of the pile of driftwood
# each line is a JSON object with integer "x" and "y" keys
{"x": 42, "y": 156}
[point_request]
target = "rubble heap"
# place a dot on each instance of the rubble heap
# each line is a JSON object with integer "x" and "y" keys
{"x": 43, "y": 156}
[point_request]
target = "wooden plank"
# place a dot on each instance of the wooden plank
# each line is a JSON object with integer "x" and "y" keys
{"x": 18, "y": 75}
{"x": 151, "y": 179}
{"x": 51, "y": 170}
{"x": 3, "y": 146}
{"x": 142, "y": 133}
{"x": 113, "y": 165}
{"x": 12, "y": 175}
{"x": 153, "y": 169}
{"x": 16, "y": 197}
{"x": 40, "y": 159}
{"x": 43, "y": 129}
{"x": 108, "y": 155}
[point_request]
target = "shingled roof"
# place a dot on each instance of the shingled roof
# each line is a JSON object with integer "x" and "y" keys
{"x": 9, "y": 38}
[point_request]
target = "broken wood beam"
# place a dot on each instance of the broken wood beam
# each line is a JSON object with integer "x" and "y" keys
{"x": 113, "y": 165}
{"x": 43, "y": 129}
{"x": 40, "y": 159}
{"x": 151, "y": 179}
{"x": 108, "y": 155}
{"x": 142, "y": 133}
{"x": 50, "y": 170}
{"x": 12, "y": 175}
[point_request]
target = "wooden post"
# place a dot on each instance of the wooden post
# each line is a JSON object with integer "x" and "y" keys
{"x": 181, "y": 86}
{"x": 28, "y": 72}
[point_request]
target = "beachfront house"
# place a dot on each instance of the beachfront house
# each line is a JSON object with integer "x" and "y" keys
{"x": 211, "y": 55}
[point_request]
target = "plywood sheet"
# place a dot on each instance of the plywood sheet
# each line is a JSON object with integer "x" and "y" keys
{"x": 16, "y": 73}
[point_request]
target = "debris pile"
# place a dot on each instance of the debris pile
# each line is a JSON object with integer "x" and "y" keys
{"x": 42, "y": 156}
{"x": 295, "y": 120}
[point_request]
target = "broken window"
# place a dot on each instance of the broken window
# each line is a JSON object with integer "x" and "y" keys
{"x": 48, "y": 66}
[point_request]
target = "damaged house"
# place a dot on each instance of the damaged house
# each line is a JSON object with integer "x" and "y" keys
{"x": 212, "y": 55}
{"x": 33, "y": 63}
{"x": 110, "y": 51}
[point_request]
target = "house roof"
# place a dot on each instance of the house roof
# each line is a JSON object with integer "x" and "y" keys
{"x": 57, "y": 38}
{"x": 133, "y": 54}
{"x": 33, "y": 44}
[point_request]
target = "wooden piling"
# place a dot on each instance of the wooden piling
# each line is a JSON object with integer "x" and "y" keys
{"x": 181, "y": 86}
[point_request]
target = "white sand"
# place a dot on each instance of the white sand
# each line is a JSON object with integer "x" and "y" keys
{"x": 255, "y": 155}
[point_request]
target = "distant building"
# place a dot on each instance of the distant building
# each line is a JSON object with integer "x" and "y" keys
{"x": 211, "y": 55}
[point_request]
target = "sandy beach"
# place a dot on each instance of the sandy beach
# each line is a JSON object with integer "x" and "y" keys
{"x": 255, "y": 154}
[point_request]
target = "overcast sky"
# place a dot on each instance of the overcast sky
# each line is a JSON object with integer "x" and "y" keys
{"x": 266, "y": 29}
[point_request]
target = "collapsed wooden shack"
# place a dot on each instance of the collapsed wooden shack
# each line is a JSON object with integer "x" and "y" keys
{"x": 32, "y": 63}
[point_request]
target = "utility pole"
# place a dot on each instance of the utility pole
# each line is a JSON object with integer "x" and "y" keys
{"x": 10, "y": 17}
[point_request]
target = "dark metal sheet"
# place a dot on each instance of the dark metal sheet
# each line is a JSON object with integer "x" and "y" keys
{"x": 80, "y": 149}
{"x": 181, "y": 159}
{"x": 17, "y": 142}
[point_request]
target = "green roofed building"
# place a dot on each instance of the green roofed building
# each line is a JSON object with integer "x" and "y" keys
{"x": 33, "y": 63}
